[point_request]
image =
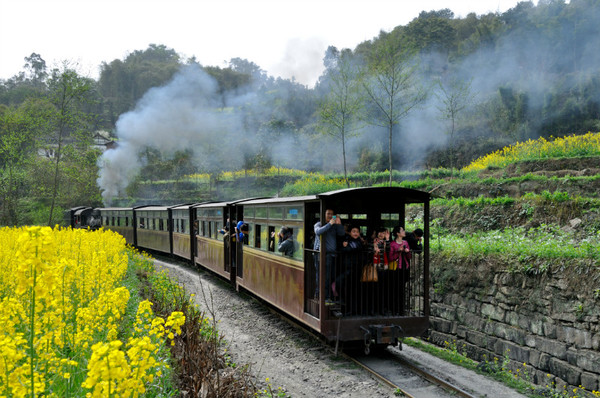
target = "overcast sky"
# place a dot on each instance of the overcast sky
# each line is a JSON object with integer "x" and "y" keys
{"x": 284, "y": 37}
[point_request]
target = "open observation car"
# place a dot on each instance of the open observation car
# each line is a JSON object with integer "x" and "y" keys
{"x": 380, "y": 313}
{"x": 298, "y": 281}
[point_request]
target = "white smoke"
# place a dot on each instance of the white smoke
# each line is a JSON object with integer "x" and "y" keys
{"x": 170, "y": 118}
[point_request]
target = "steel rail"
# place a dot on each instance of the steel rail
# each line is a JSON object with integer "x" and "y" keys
{"x": 455, "y": 390}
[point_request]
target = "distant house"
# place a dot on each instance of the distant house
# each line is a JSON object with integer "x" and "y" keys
{"x": 101, "y": 140}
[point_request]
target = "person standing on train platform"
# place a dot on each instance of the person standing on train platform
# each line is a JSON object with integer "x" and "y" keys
{"x": 331, "y": 230}
{"x": 400, "y": 255}
{"x": 414, "y": 240}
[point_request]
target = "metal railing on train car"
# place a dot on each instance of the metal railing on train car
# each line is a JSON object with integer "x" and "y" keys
{"x": 363, "y": 285}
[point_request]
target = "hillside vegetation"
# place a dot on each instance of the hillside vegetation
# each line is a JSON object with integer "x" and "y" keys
{"x": 471, "y": 85}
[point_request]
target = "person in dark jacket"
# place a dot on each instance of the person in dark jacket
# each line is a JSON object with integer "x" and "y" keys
{"x": 286, "y": 242}
{"x": 347, "y": 282}
{"x": 414, "y": 240}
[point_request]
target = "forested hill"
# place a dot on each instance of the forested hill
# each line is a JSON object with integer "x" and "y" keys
{"x": 468, "y": 86}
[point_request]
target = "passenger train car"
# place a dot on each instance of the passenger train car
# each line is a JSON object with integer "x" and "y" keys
{"x": 357, "y": 309}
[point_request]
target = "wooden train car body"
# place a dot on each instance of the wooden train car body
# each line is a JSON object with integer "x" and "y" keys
{"x": 210, "y": 249}
{"x": 183, "y": 230}
{"x": 153, "y": 228}
{"x": 298, "y": 281}
{"x": 121, "y": 220}
{"x": 289, "y": 283}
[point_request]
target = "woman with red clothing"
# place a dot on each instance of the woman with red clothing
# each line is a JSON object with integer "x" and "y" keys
{"x": 400, "y": 254}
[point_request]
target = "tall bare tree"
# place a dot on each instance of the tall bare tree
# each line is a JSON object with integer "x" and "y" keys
{"x": 454, "y": 96}
{"x": 339, "y": 111}
{"x": 68, "y": 92}
{"x": 391, "y": 87}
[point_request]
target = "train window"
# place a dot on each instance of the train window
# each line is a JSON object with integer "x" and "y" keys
{"x": 264, "y": 238}
{"x": 113, "y": 221}
{"x": 251, "y": 238}
{"x": 293, "y": 213}
{"x": 256, "y": 236}
{"x": 275, "y": 213}
{"x": 358, "y": 216}
{"x": 271, "y": 246}
{"x": 126, "y": 221}
{"x": 390, "y": 220}
{"x": 154, "y": 224}
{"x": 182, "y": 226}
{"x": 203, "y": 232}
{"x": 119, "y": 221}
{"x": 363, "y": 230}
{"x": 260, "y": 212}
{"x": 210, "y": 229}
{"x": 161, "y": 225}
{"x": 248, "y": 212}
{"x": 299, "y": 241}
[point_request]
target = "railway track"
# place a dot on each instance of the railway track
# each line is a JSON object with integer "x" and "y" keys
{"x": 414, "y": 373}
{"x": 409, "y": 372}
{"x": 407, "y": 378}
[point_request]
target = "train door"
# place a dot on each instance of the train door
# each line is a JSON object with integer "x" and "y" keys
{"x": 239, "y": 271}
{"x": 194, "y": 231}
{"x": 312, "y": 214}
{"x": 229, "y": 246}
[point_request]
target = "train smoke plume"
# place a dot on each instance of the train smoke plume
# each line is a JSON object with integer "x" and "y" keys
{"x": 170, "y": 118}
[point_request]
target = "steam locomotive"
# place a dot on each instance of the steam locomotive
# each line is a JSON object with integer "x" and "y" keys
{"x": 347, "y": 298}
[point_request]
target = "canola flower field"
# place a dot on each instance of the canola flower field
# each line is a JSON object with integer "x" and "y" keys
{"x": 273, "y": 171}
{"x": 62, "y": 303}
{"x": 569, "y": 146}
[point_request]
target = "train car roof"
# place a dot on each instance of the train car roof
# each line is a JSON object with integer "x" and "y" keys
{"x": 80, "y": 211}
{"x": 185, "y": 206}
{"x": 115, "y": 208}
{"x": 407, "y": 195}
{"x": 286, "y": 199}
{"x": 224, "y": 204}
{"x": 152, "y": 208}
{"x": 77, "y": 208}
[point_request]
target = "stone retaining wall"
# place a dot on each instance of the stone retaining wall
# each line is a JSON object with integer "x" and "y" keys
{"x": 543, "y": 324}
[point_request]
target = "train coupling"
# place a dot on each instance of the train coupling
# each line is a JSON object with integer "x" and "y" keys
{"x": 381, "y": 335}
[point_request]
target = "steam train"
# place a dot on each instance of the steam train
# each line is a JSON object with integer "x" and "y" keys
{"x": 375, "y": 313}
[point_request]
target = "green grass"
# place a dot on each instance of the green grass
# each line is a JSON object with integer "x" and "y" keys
{"x": 499, "y": 369}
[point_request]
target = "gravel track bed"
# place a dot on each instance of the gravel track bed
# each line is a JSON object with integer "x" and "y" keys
{"x": 291, "y": 358}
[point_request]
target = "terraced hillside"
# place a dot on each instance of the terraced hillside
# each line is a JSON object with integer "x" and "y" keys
{"x": 516, "y": 268}
{"x": 561, "y": 191}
